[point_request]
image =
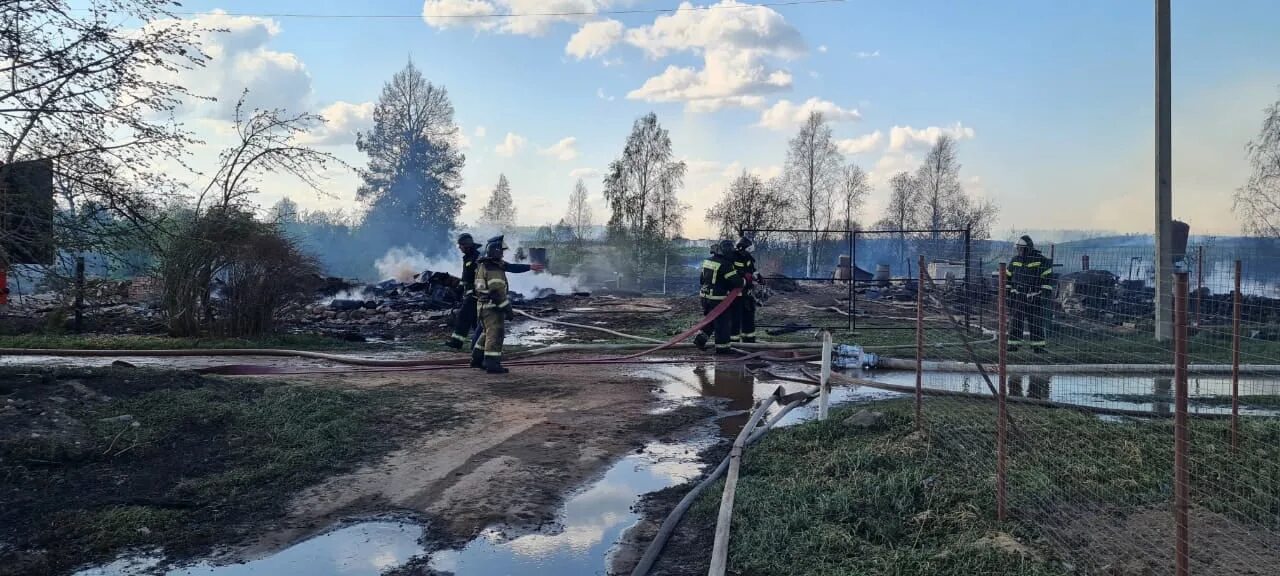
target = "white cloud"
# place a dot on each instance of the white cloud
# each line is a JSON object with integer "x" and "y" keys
{"x": 860, "y": 144}
{"x": 480, "y": 132}
{"x": 461, "y": 139}
{"x": 239, "y": 59}
{"x": 784, "y": 114}
{"x": 892, "y": 163}
{"x": 584, "y": 173}
{"x": 697, "y": 167}
{"x": 594, "y": 39}
{"x": 736, "y": 46}
{"x": 823, "y": 48}
{"x": 343, "y": 120}
{"x": 601, "y": 95}
{"x": 902, "y": 137}
{"x": 866, "y": 55}
{"x": 511, "y": 145}
{"x": 566, "y": 149}
{"x": 538, "y": 16}
{"x": 727, "y": 79}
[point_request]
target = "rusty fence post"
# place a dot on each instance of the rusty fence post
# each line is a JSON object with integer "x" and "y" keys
{"x": 1199, "y": 283}
{"x": 1236, "y": 305}
{"x": 1181, "y": 479}
{"x": 1001, "y": 415}
{"x": 920, "y": 347}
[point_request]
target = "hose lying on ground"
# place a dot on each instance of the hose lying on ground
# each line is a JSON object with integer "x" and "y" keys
{"x": 668, "y": 527}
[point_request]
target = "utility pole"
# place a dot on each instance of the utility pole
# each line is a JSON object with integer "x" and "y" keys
{"x": 1164, "y": 178}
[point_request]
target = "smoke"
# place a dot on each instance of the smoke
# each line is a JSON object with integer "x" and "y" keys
{"x": 401, "y": 263}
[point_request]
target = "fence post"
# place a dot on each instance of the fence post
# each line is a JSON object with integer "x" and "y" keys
{"x": 920, "y": 345}
{"x": 1001, "y": 416}
{"x": 824, "y": 395}
{"x": 968, "y": 287}
{"x": 1236, "y": 305}
{"x": 1181, "y": 480}
{"x": 1199, "y": 281}
{"x": 79, "y": 297}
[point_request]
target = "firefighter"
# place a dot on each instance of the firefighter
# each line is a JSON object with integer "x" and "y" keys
{"x": 493, "y": 304}
{"x": 719, "y": 276}
{"x": 743, "y": 328}
{"x": 1030, "y": 290}
{"x": 465, "y": 320}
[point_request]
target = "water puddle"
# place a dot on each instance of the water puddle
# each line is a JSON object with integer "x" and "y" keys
{"x": 364, "y": 549}
{"x": 533, "y": 334}
{"x": 1208, "y": 394}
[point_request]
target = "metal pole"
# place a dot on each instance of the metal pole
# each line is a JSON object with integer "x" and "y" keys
{"x": 1199, "y": 280}
{"x": 1001, "y": 417}
{"x": 1181, "y": 479}
{"x": 920, "y": 348}
{"x": 1235, "y": 361}
{"x": 79, "y": 299}
{"x": 824, "y": 384}
{"x": 1164, "y": 176}
{"x": 853, "y": 279}
{"x": 968, "y": 288}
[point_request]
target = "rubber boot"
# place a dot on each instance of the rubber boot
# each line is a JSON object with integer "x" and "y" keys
{"x": 477, "y": 358}
{"x": 700, "y": 341}
{"x": 454, "y": 343}
{"x": 493, "y": 365}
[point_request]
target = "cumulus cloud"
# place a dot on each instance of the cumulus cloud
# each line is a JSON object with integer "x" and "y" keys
{"x": 823, "y": 48}
{"x": 784, "y": 114}
{"x": 538, "y": 16}
{"x": 584, "y": 173}
{"x": 480, "y": 132}
{"x": 239, "y": 59}
{"x": 566, "y": 149}
{"x": 511, "y": 145}
{"x": 727, "y": 79}
{"x": 903, "y": 137}
{"x": 737, "y": 46}
{"x": 601, "y": 95}
{"x": 860, "y": 144}
{"x": 594, "y": 39}
{"x": 865, "y": 55}
{"x": 342, "y": 121}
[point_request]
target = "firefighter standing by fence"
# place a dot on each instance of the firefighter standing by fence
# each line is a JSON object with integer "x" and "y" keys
{"x": 719, "y": 277}
{"x": 465, "y": 320}
{"x": 743, "y": 327}
{"x": 1030, "y": 294}
{"x": 493, "y": 304}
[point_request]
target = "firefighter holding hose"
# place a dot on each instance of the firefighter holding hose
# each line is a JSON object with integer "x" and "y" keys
{"x": 1030, "y": 289}
{"x": 465, "y": 320}
{"x": 493, "y": 304}
{"x": 743, "y": 328}
{"x": 719, "y": 277}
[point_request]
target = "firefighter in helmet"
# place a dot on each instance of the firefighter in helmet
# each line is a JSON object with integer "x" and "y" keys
{"x": 465, "y": 320}
{"x": 743, "y": 328}
{"x": 1030, "y": 293}
{"x": 719, "y": 277}
{"x": 493, "y": 304}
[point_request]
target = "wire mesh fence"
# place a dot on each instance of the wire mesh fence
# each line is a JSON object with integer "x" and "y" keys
{"x": 1119, "y": 453}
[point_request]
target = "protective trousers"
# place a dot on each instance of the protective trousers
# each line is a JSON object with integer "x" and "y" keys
{"x": 465, "y": 321}
{"x": 493, "y": 330}
{"x": 743, "y": 324}
{"x": 1027, "y": 312}
{"x": 722, "y": 326}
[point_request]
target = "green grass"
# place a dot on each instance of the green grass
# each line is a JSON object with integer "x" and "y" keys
{"x": 892, "y": 502}
{"x": 133, "y": 342}
{"x": 1213, "y": 401}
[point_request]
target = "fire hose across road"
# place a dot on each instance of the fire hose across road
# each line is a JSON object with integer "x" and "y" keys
{"x": 354, "y": 364}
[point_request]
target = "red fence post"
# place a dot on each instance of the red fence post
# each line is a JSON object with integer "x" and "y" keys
{"x": 920, "y": 347}
{"x": 1181, "y": 480}
{"x": 1236, "y": 305}
{"x": 1001, "y": 416}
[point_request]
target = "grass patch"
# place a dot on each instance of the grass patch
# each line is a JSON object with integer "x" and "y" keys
{"x": 889, "y": 501}
{"x": 149, "y": 458}
{"x": 132, "y": 342}
{"x": 1213, "y": 401}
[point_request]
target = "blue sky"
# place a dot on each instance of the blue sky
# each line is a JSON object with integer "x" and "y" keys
{"x": 1052, "y": 101}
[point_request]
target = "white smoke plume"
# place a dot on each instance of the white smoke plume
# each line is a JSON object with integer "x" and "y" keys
{"x": 402, "y": 263}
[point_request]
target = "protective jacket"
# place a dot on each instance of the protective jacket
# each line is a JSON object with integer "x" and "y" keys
{"x": 1031, "y": 274}
{"x": 719, "y": 276}
{"x": 745, "y": 264}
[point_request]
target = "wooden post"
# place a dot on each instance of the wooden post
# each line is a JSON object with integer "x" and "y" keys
{"x": 720, "y": 548}
{"x": 1236, "y": 304}
{"x": 824, "y": 394}
{"x": 1002, "y": 393}
{"x": 1181, "y": 476}
{"x": 79, "y": 297}
{"x": 920, "y": 347}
